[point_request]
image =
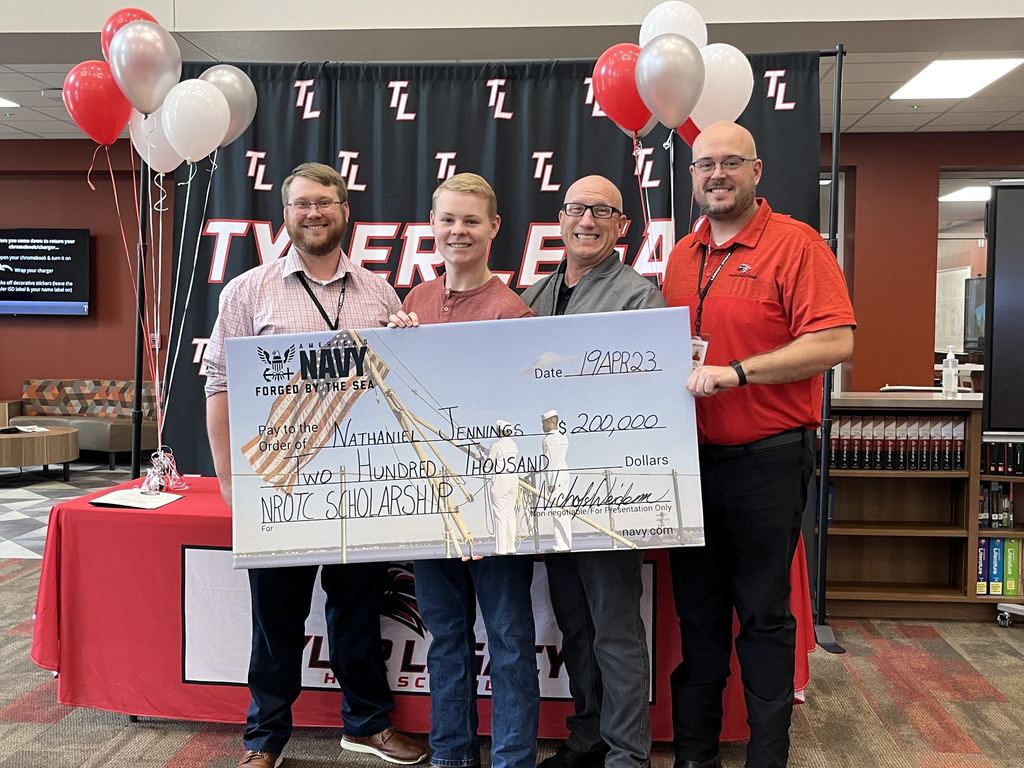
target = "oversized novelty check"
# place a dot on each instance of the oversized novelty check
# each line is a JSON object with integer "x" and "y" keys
{"x": 501, "y": 437}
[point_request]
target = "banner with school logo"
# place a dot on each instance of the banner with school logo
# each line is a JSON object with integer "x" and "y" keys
{"x": 394, "y": 131}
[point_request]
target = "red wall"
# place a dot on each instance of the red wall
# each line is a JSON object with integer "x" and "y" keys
{"x": 43, "y": 184}
{"x": 891, "y": 266}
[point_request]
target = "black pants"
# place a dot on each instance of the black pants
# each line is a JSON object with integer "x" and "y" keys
{"x": 280, "y": 605}
{"x": 753, "y": 501}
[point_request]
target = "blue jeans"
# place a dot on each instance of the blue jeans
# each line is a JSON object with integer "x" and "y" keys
{"x": 280, "y": 604}
{"x": 447, "y": 591}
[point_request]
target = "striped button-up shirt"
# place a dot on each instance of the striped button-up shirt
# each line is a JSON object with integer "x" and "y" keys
{"x": 270, "y": 299}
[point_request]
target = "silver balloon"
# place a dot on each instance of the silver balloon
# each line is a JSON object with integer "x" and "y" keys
{"x": 670, "y": 78}
{"x": 240, "y": 93}
{"x": 146, "y": 64}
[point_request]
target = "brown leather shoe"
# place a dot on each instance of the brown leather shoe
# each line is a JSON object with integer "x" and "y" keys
{"x": 254, "y": 759}
{"x": 391, "y": 745}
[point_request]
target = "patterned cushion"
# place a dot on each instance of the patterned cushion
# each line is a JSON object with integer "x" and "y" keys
{"x": 84, "y": 397}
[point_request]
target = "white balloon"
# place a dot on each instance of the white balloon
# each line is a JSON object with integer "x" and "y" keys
{"x": 151, "y": 143}
{"x": 195, "y": 117}
{"x": 728, "y": 84}
{"x": 676, "y": 18}
{"x": 669, "y": 78}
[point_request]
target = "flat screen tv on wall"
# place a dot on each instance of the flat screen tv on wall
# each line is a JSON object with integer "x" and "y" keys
{"x": 44, "y": 272}
{"x": 1004, "y": 317}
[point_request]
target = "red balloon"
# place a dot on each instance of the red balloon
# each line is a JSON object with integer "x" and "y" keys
{"x": 688, "y": 131}
{"x": 117, "y": 20}
{"x": 95, "y": 102}
{"x": 615, "y": 87}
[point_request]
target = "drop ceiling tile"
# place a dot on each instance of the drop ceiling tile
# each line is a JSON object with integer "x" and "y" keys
{"x": 1009, "y": 125}
{"x": 51, "y": 80}
{"x": 10, "y": 81}
{"x": 905, "y": 107}
{"x": 889, "y": 72}
{"x": 876, "y": 91}
{"x": 876, "y": 129}
{"x": 991, "y": 104}
{"x": 973, "y": 118}
{"x": 43, "y": 126}
{"x": 907, "y": 122}
{"x": 59, "y": 111}
{"x": 47, "y": 69}
{"x": 33, "y": 98}
{"x": 901, "y": 56}
{"x": 943, "y": 128}
{"x": 25, "y": 114}
{"x": 11, "y": 130}
{"x": 850, "y": 106}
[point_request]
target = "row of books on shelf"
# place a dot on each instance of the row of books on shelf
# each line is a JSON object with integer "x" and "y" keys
{"x": 995, "y": 507}
{"x": 1002, "y": 459}
{"x": 917, "y": 443}
{"x": 999, "y": 566}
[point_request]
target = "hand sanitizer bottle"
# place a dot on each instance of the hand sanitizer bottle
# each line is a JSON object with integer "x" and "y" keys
{"x": 950, "y": 374}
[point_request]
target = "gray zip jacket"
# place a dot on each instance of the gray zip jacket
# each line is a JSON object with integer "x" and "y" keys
{"x": 608, "y": 287}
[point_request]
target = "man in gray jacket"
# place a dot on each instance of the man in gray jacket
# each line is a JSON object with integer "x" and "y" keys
{"x": 596, "y": 595}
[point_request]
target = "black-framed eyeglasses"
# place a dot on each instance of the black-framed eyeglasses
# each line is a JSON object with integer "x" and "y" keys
{"x": 598, "y": 211}
{"x": 705, "y": 165}
{"x": 303, "y": 206}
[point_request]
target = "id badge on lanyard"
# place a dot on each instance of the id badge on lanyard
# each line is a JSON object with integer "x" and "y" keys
{"x": 698, "y": 351}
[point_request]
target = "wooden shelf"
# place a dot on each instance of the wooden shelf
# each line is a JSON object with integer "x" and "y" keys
{"x": 895, "y": 593}
{"x": 958, "y": 473}
{"x": 1001, "y": 533}
{"x": 897, "y": 529}
{"x": 1002, "y": 479}
{"x": 999, "y": 598}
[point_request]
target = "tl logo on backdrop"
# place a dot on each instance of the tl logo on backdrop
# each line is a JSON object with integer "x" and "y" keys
{"x": 777, "y": 89}
{"x": 305, "y": 99}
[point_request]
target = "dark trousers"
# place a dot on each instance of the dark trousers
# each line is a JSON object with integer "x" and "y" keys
{"x": 753, "y": 503}
{"x": 596, "y": 601}
{"x": 280, "y": 605}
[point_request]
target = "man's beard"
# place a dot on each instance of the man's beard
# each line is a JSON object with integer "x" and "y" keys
{"x": 335, "y": 234}
{"x": 742, "y": 200}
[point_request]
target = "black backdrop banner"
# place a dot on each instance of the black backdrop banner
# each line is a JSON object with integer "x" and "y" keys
{"x": 395, "y": 131}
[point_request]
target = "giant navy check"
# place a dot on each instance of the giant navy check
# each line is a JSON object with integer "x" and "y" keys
{"x": 528, "y": 436}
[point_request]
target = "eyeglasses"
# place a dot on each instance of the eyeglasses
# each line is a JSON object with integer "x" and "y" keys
{"x": 706, "y": 165}
{"x": 598, "y": 211}
{"x": 321, "y": 205}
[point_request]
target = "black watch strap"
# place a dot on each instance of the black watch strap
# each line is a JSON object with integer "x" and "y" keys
{"x": 739, "y": 372}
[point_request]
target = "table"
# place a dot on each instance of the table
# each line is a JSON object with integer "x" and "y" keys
{"x": 111, "y": 619}
{"x": 58, "y": 445}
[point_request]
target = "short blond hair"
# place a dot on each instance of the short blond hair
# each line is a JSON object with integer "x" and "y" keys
{"x": 321, "y": 174}
{"x": 470, "y": 184}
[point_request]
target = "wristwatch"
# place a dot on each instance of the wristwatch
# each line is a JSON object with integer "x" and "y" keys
{"x": 739, "y": 372}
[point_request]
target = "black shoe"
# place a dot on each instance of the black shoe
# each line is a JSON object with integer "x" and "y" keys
{"x": 714, "y": 762}
{"x": 570, "y": 758}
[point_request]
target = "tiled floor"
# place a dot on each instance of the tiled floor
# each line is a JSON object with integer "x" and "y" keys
{"x": 26, "y": 498}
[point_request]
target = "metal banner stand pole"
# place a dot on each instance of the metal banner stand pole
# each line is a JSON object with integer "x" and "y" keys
{"x": 140, "y": 327}
{"x": 823, "y": 633}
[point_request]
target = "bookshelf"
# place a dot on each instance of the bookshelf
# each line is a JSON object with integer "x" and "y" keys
{"x": 903, "y": 543}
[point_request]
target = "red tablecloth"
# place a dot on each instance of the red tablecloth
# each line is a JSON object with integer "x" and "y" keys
{"x": 109, "y": 619}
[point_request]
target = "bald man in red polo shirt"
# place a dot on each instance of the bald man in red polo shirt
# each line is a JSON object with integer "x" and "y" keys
{"x": 769, "y": 312}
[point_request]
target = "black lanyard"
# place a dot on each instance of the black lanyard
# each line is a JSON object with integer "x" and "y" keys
{"x": 703, "y": 292}
{"x": 341, "y": 300}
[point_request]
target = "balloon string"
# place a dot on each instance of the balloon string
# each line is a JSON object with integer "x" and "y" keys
{"x": 192, "y": 278}
{"x": 670, "y": 145}
{"x": 88, "y": 174}
{"x": 645, "y": 205}
{"x": 176, "y": 287}
{"x": 128, "y": 258}
{"x": 160, "y": 204}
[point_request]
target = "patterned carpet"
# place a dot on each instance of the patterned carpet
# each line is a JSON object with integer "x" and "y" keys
{"x": 905, "y": 695}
